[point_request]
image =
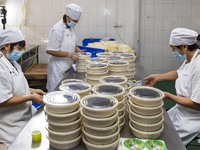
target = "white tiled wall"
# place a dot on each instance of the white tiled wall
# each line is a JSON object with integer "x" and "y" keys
{"x": 147, "y": 21}
{"x": 97, "y": 20}
{"x": 157, "y": 19}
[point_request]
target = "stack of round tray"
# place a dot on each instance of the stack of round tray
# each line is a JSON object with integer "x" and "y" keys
{"x": 116, "y": 91}
{"x": 95, "y": 71}
{"x": 145, "y": 112}
{"x": 81, "y": 61}
{"x": 64, "y": 119}
{"x": 100, "y": 122}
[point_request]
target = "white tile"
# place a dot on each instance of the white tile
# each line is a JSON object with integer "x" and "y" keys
{"x": 166, "y": 52}
{"x": 47, "y": 7}
{"x": 195, "y": 1}
{"x": 167, "y": 1}
{"x": 158, "y": 49}
{"x": 141, "y": 50}
{"x": 195, "y": 7}
{"x": 166, "y": 64}
{"x": 158, "y": 24}
{"x": 129, "y": 4}
{"x": 158, "y": 10}
{"x": 93, "y": 31}
{"x": 177, "y": 1}
{"x": 177, "y": 10}
{"x": 159, "y": 1}
{"x": 149, "y": 37}
{"x": 111, "y": 6}
{"x": 168, "y": 13}
{"x": 128, "y": 32}
{"x": 47, "y": 19}
{"x": 92, "y": 18}
{"x": 121, "y": 6}
{"x": 38, "y": 19}
{"x": 195, "y": 23}
{"x": 101, "y": 32}
{"x": 185, "y": 10}
{"x": 187, "y": 22}
{"x": 177, "y": 22}
{"x": 168, "y": 23}
{"x": 149, "y": 23}
{"x": 84, "y": 20}
{"x": 93, "y": 6}
{"x": 176, "y": 63}
{"x": 158, "y": 37}
{"x": 166, "y": 36}
{"x": 149, "y": 50}
{"x": 157, "y": 63}
{"x": 46, "y": 32}
{"x": 148, "y": 1}
{"x": 101, "y": 5}
{"x": 149, "y": 10}
{"x": 148, "y": 63}
{"x": 56, "y": 6}
{"x": 101, "y": 19}
{"x": 128, "y": 19}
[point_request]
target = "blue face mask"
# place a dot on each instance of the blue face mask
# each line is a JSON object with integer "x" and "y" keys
{"x": 72, "y": 24}
{"x": 15, "y": 55}
{"x": 178, "y": 56}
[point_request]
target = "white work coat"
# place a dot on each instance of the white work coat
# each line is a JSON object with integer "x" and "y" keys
{"x": 60, "y": 39}
{"x": 12, "y": 83}
{"x": 187, "y": 120}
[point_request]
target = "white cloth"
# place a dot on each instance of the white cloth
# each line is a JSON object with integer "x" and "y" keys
{"x": 12, "y": 83}
{"x": 186, "y": 120}
{"x": 64, "y": 39}
{"x": 10, "y": 35}
{"x": 73, "y": 11}
{"x": 180, "y": 36}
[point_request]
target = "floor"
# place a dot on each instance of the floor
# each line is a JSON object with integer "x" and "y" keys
{"x": 169, "y": 87}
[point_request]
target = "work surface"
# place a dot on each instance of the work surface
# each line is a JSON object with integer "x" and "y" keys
{"x": 24, "y": 140}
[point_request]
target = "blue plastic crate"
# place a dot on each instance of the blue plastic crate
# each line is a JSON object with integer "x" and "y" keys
{"x": 91, "y": 50}
{"x": 92, "y": 40}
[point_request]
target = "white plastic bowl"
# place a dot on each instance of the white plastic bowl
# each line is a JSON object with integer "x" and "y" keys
{"x": 147, "y": 111}
{"x": 119, "y": 72}
{"x": 97, "y": 68}
{"x": 118, "y": 65}
{"x": 146, "y": 135}
{"x": 63, "y": 145}
{"x": 120, "y": 80}
{"x": 104, "y": 131}
{"x": 114, "y": 90}
{"x": 101, "y": 140}
{"x": 146, "y": 127}
{"x": 104, "y": 54}
{"x": 82, "y": 89}
{"x": 99, "y": 122}
{"x": 64, "y": 136}
{"x": 145, "y": 119}
{"x": 99, "y": 106}
{"x": 96, "y": 76}
{"x": 60, "y": 102}
{"x": 62, "y": 118}
{"x": 151, "y": 96}
{"x": 64, "y": 127}
{"x": 90, "y": 146}
{"x": 71, "y": 80}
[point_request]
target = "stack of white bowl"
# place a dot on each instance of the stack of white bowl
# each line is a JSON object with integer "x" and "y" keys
{"x": 82, "y": 89}
{"x": 62, "y": 111}
{"x": 71, "y": 80}
{"x": 116, "y": 91}
{"x": 113, "y": 58}
{"x": 118, "y": 67}
{"x": 104, "y": 54}
{"x": 116, "y": 53}
{"x": 95, "y": 71}
{"x": 100, "y": 122}
{"x": 145, "y": 112}
{"x": 81, "y": 61}
{"x": 130, "y": 57}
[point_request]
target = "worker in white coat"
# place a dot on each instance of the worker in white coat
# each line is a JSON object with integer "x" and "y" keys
{"x": 185, "y": 115}
{"x": 62, "y": 46}
{"x": 15, "y": 97}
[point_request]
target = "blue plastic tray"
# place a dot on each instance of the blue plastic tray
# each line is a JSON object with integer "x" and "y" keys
{"x": 91, "y": 50}
{"x": 92, "y": 40}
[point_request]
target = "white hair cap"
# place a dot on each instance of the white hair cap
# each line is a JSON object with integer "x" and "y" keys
{"x": 10, "y": 35}
{"x": 73, "y": 11}
{"x": 180, "y": 36}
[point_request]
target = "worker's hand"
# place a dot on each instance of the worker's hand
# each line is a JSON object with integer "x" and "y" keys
{"x": 73, "y": 55}
{"x": 166, "y": 94}
{"x": 38, "y": 99}
{"x": 151, "y": 80}
{"x": 37, "y": 91}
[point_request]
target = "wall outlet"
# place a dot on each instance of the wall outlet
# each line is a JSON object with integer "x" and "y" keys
{"x": 118, "y": 24}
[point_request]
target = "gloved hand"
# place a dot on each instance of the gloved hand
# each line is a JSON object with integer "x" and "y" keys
{"x": 73, "y": 55}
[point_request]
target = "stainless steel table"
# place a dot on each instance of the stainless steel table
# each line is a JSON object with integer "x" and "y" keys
{"x": 24, "y": 140}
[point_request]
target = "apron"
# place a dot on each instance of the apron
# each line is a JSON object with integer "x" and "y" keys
{"x": 57, "y": 66}
{"x": 185, "y": 120}
{"x": 14, "y": 118}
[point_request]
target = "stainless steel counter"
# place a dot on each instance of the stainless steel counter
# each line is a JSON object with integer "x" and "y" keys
{"x": 24, "y": 140}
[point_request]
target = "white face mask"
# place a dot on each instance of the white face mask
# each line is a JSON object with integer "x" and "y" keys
{"x": 15, "y": 55}
{"x": 71, "y": 24}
